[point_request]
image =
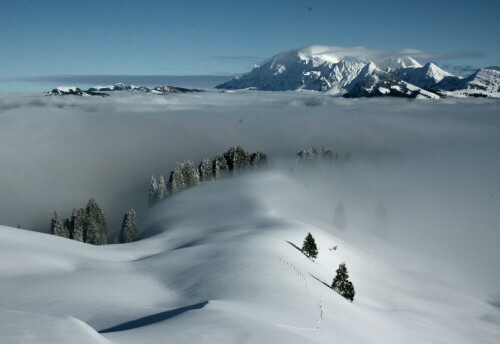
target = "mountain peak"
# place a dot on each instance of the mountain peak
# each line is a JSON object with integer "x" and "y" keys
{"x": 395, "y": 63}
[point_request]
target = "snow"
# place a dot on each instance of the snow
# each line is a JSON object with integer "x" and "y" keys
{"x": 221, "y": 264}
{"x": 396, "y": 63}
{"x": 66, "y": 88}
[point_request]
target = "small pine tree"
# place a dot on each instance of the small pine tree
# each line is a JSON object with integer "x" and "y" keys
{"x": 341, "y": 283}
{"x": 153, "y": 191}
{"x": 221, "y": 168}
{"x": 309, "y": 247}
{"x": 57, "y": 227}
{"x": 78, "y": 220}
{"x": 206, "y": 170}
{"x": 162, "y": 191}
{"x": 130, "y": 230}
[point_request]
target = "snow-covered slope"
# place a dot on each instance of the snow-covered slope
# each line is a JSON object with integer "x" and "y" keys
{"x": 373, "y": 82}
{"x": 426, "y": 76}
{"x": 221, "y": 264}
{"x": 483, "y": 82}
{"x": 396, "y": 63}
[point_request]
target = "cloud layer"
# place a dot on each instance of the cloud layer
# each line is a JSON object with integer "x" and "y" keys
{"x": 433, "y": 164}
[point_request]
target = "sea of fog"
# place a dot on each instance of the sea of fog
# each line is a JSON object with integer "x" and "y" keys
{"x": 432, "y": 164}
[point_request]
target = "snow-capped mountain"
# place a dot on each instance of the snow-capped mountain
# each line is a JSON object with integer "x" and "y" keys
{"x": 331, "y": 70}
{"x": 483, "y": 82}
{"x": 372, "y": 82}
{"x": 118, "y": 87}
{"x": 425, "y": 76}
{"x": 311, "y": 68}
{"x": 397, "y": 63}
{"x": 98, "y": 90}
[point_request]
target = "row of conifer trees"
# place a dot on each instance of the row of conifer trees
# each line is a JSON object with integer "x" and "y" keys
{"x": 312, "y": 154}
{"x": 186, "y": 174}
{"x": 88, "y": 225}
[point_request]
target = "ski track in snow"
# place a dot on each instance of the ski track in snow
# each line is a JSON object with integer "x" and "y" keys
{"x": 320, "y": 306}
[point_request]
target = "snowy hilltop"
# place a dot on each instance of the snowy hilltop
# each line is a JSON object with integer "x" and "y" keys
{"x": 322, "y": 68}
{"x": 214, "y": 268}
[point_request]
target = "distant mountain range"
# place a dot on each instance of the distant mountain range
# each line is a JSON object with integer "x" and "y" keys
{"x": 317, "y": 68}
{"x": 100, "y": 90}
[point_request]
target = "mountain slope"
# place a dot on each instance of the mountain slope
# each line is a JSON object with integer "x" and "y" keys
{"x": 373, "y": 82}
{"x": 426, "y": 76}
{"x": 397, "y": 63}
{"x": 220, "y": 264}
{"x": 485, "y": 82}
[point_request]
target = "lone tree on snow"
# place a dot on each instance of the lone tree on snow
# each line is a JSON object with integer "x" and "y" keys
{"x": 57, "y": 227}
{"x": 309, "y": 247}
{"x": 130, "y": 230}
{"x": 342, "y": 285}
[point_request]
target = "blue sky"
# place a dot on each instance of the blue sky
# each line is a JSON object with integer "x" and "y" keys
{"x": 40, "y": 38}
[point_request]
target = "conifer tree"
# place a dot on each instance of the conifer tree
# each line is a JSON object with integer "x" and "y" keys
{"x": 258, "y": 159}
{"x": 309, "y": 247}
{"x": 237, "y": 158}
{"x": 206, "y": 170}
{"x": 95, "y": 218}
{"x": 327, "y": 153}
{"x": 130, "y": 230}
{"x": 162, "y": 191}
{"x": 57, "y": 227}
{"x": 190, "y": 173}
{"x": 67, "y": 226}
{"x": 184, "y": 176}
{"x": 341, "y": 283}
{"x": 93, "y": 233}
{"x": 221, "y": 168}
{"x": 153, "y": 191}
{"x": 78, "y": 223}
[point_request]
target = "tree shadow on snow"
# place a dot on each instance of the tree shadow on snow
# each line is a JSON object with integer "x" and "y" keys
{"x": 152, "y": 319}
{"x": 316, "y": 278}
{"x": 295, "y": 246}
